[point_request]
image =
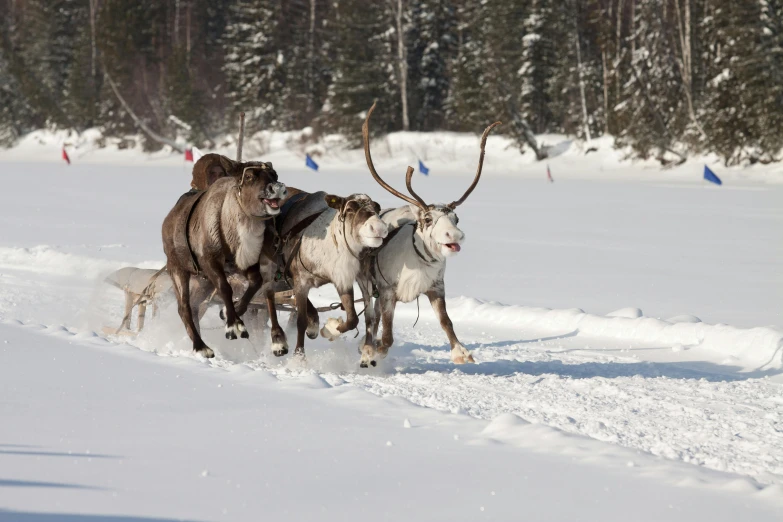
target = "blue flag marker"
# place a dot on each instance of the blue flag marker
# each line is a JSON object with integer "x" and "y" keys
{"x": 310, "y": 163}
{"x": 710, "y": 176}
{"x": 423, "y": 169}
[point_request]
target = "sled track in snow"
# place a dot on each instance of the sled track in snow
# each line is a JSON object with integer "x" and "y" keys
{"x": 709, "y": 395}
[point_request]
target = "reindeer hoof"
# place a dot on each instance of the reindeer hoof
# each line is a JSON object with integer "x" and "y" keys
{"x": 236, "y": 330}
{"x": 312, "y": 329}
{"x": 330, "y": 329}
{"x": 206, "y": 352}
{"x": 280, "y": 352}
{"x": 362, "y": 365}
{"x": 460, "y": 355}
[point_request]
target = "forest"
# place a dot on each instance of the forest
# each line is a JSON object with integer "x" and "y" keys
{"x": 665, "y": 78}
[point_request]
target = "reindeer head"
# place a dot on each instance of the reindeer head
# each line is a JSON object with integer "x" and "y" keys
{"x": 436, "y": 224}
{"x": 259, "y": 193}
{"x": 360, "y": 223}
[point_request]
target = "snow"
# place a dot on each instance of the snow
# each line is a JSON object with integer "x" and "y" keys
{"x": 658, "y": 398}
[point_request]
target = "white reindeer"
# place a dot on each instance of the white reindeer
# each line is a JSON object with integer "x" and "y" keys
{"x": 412, "y": 259}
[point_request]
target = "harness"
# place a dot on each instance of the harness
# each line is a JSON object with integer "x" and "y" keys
{"x": 196, "y": 195}
{"x": 283, "y": 235}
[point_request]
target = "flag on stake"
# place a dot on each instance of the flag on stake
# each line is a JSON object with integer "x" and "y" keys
{"x": 710, "y": 176}
{"x": 549, "y": 174}
{"x": 65, "y": 157}
{"x": 196, "y": 153}
{"x": 310, "y": 163}
{"x": 188, "y": 154}
{"x": 423, "y": 169}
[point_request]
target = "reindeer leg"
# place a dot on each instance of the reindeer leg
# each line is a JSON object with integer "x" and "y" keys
{"x": 253, "y": 276}
{"x": 234, "y": 325}
{"x": 200, "y": 291}
{"x": 335, "y": 327}
{"x": 279, "y": 341}
{"x": 377, "y": 322}
{"x": 312, "y": 321}
{"x": 388, "y": 302}
{"x": 142, "y": 313}
{"x": 459, "y": 354}
{"x": 367, "y": 348}
{"x": 300, "y": 295}
{"x": 129, "y": 300}
{"x": 268, "y": 268}
{"x": 181, "y": 283}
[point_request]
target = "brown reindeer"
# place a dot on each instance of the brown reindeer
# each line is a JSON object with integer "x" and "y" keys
{"x": 211, "y": 167}
{"x": 220, "y": 230}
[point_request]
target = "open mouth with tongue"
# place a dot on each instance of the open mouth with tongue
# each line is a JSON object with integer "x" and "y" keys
{"x": 454, "y": 247}
{"x": 272, "y": 203}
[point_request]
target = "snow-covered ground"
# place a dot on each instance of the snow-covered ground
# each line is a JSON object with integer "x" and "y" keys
{"x": 599, "y": 412}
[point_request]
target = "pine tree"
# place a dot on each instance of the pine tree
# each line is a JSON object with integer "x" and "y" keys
{"x": 254, "y": 62}
{"x": 306, "y": 49}
{"x": 432, "y": 44}
{"x": 652, "y": 110}
{"x": 363, "y": 70}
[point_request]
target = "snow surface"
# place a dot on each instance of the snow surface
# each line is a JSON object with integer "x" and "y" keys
{"x": 659, "y": 398}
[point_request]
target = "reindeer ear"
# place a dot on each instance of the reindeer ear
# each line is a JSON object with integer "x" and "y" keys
{"x": 214, "y": 173}
{"x": 335, "y": 202}
{"x": 229, "y": 166}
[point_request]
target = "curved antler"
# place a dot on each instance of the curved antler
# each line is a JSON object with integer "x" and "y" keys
{"x": 408, "y": 177}
{"x": 368, "y": 157}
{"x": 472, "y": 186}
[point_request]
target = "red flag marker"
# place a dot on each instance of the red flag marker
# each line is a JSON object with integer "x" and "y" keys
{"x": 65, "y": 157}
{"x": 189, "y": 155}
{"x": 549, "y": 175}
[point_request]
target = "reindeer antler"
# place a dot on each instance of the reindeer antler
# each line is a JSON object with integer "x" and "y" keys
{"x": 408, "y": 178}
{"x": 368, "y": 157}
{"x": 472, "y": 186}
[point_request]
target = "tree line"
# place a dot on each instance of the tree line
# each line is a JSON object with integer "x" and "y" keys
{"x": 668, "y": 78}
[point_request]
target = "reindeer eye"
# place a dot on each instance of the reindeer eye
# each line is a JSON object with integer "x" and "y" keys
{"x": 427, "y": 220}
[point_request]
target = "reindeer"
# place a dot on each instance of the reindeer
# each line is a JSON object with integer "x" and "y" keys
{"x": 332, "y": 242}
{"x": 211, "y": 167}
{"x": 217, "y": 230}
{"x": 412, "y": 260}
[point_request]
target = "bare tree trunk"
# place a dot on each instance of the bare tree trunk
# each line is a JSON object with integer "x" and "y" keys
{"x": 686, "y": 59}
{"x": 403, "y": 68}
{"x": 606, "y": 92}
{"x": 143, "y": 126}
{"x": 617, "y": 50}
{"x": 310, "y": 60}
{"x": 633, "y": 26}
{"x": 94, "y": 48}
{"x": 585, "y": 121}
{"x": 176, "y": 23}
{"x": 187, "y": 29}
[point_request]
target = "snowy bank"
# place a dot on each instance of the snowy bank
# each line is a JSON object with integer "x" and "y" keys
{"x": 444, "y": 153}
{"x": 754, "y": 349}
